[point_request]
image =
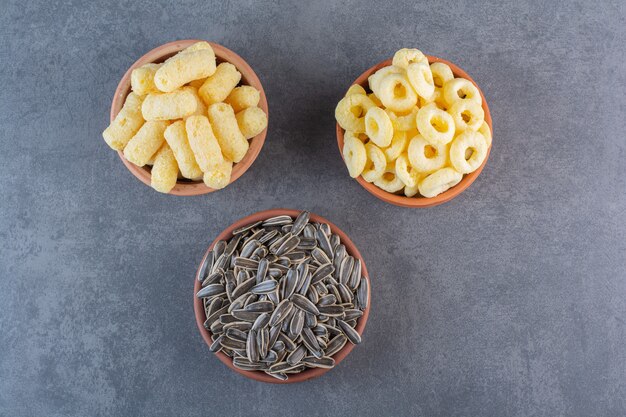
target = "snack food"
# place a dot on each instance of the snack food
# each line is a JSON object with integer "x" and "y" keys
{"x": 166, "y": 115}
{"x": 432, "y": 133}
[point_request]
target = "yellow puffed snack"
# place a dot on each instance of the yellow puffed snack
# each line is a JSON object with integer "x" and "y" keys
{"x": 232, "y": 142}
{"x": 486, "y": 132}
{"x": 426, "y": 157}
{"x": 203, "y": 143}
{"x": 350, "y": 112}
{"x": 399, "y": 143}
{"x": 389, "y": 181}
{"x": 219, "y": 85}
{"x": 403, "y": 121}
{"x": 243, "y": 97}
{"x": 436, "y": 98}
{"x": 169, "y": 106}
{"x": 251, "y": 121}
{"x": 375, "y": 79}
{"x": 407, "y": 174}
{"x": 411, "y": 191}
{"x": 468, "y": 143}
{"x": 439, "y": 181}
{"x": 460, "y": 89}
{"x": 196, "y": 83}
{"x": 421, "y": 79}
{"x": 435, "y": 125}
{"x": 193, "y": 63}
{"x": 467, "y": 114}
{"x": 126, "y": 123}
{"x": 165, "y": 170}
{"x": 355, "y": 89}
{"x": 441, "y": 73}
{"x": 146, "y": 142}
{"x": 200, "y": 106}
{"x": 376, "y": 163}
{"x": 142, "y": 79}
{"x": 218, "y": 176}
{"x": 176, "y": 138}
{"x": 396, "y": 93}
{"x": 378, "y": 127}
{"x": 375, "y": 99}
{"x": 405, "y": 56}
{"x": 354, "y": 154}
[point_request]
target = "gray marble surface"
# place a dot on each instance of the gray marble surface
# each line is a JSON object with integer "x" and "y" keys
{"x": 507, "y": 301}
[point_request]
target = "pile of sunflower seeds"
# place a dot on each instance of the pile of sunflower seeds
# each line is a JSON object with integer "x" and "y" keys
{"x": 282, "y": 296}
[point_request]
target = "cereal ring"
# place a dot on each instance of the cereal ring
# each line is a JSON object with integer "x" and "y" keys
{"x": 403, "y": 122}
{"x": 389, "y": 181}
{"x": 165, "y": 170}
{"x": 441, "y": 73}
{"x": 435, "y": 124}
{"x": 439, "y": 181}
{"x": 460, "y": 89}
{"x": 251, "y": 121}
{"x": 355, "y": 89}
{"x": 421, "y": 79}
{"x": 146, "y": 142}
{"x": 375, "y": 79}
{"x": 405, "y": 56}
{"x": 407, "y": 174}
{"x": 467, "y": 114}
{"x": 350, "y": 112}
{"x": 468, "y": 141}
{"x": 354, "y": 155}
{"x": 396, "y": 93}
{"x": 378, "y": 127}
{"x": 243, "y": 97}
{"x": 411, "y": 191}
{"x": 426, "y": 157}
{"x": 486, "y": 132}
{"x": 376, "y": 163}
{"x": 375, "y": 99}
{"x": 219, "y": 85}
{"x": 126, "y": 123}
{"x": 398, "y": 145}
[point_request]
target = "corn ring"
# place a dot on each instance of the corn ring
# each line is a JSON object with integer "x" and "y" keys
{"x": 421, "y": 79}
{"x": 354, "y": 154}
{"x": 232, "y": 142}
{"x": 350, "y": 112}
{"x": 219, "y": 175}
{"x": 376, "y": 163}
{"x": 426, "y": 157}
{"x": 467, "y": 114}
{"x": 375, "y": 99}
{"x": 190, "y": 64}
{"x": 146, "y": 142}
{"x": 398, "y": 145}
{"x": 441, "y": 73}
{"x": 435, "y": 125}
{"x": 389, "y": 181}
{"x": 126, "y": 123}
{"x": 375, "y": 79}
{"x": 436, "y": 98}
{"x": 405, "y": 56}
{"x": 142, "y": 79}
{"x": 404, "y": 122}
{"x": 251, "y": 121}
{"x": 439, "y": 181}
{"x": 378, "y": 127}
{"x": 396, "y": 93}
{"x": 219, "y": 85}
{"x": 411, "y": 191}
{"x": 407, "y": 174}
{"x": 460, "y": 89}
{"x": 176, "y": 138}
{"x": 169, "y": 106}
{"x": 243, "y": 97}
{"x": 165, "y": 170}
{"x": 355, "y": 89}
{"x": 203, "y": 143}
{"x": 486, "y": 132}
{"x": 468, "y": 141}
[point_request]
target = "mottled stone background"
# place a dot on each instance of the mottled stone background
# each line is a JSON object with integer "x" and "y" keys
{"x": 508, "y": 301}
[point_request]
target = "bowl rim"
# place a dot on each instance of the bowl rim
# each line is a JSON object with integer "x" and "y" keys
{"x": 189, "y": 188}
{"x": 420, "y": 202}
{"x": 201, "y": 315}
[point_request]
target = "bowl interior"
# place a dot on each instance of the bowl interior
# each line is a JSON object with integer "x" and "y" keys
{"x": 401, "y": 200}
{"x": 258, "y": 375}
{"x": 248, "y": 77}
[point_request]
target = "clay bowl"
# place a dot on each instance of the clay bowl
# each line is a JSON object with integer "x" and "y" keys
{"x": 187, "y": 187}
{"x": 419, "y": 202}
{"x": 201, "y": 315}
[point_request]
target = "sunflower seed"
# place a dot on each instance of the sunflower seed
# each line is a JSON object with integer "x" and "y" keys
{"x": 335, "y": 240}
{"x": 362, "y": 296}
{"x": 326, "y": 300}
{"x": 279, "y": 346}
{"x": 251, "y": 347}
{"x": 236, "y": 334}
{"x": 346, "y": 269}
{"x": 324, "y": 362}
{"x": 260, "y": 307}
{"x": 246, "y": 263}
{"x": 282, "y": 310}
{"x": 309, "y": 340}
{"x": 233, "y": 344}
{"x": 331, "y": 310}
{"x": 206, "y": 265}
{"x": 352, "y": 335}
{"x": 243, "y": 288}
{"x": 246, "y": 228}
{"x": 232, "y": 245}
{"x": 304, "y": 304}
{"x": 346, "y": 294}
{"x": 278, "y": 375}
{"x": 215, "y": 305}
{"x": 297, "y": 323}
{"x": 268, "y": 236}
{"x": 211, "y": 290}
{"x": 290, "y": 345}
{"x": 320, "y": 256}
{"x": 248, "y": 249}
{"x": 262, "y": 270}
{"x": 322, "y": 272}
{"x": 282, "y": 367}
{"x": 352, "y": 314}
{"x": 246, "y": 315}
{"x": 244, "y": 326}
{"x": 324, "y": 243}
{"x": 313, "y": 295}
{"x": 336, "y": 344}
{"x": 296, "y": 356}
{"x": 277, "y": 221}
{"x": 264, "y": 287}
{"x": 216, "y": 346}
{"x": 219, "y": 248}
{"x": 307, "y": 243}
